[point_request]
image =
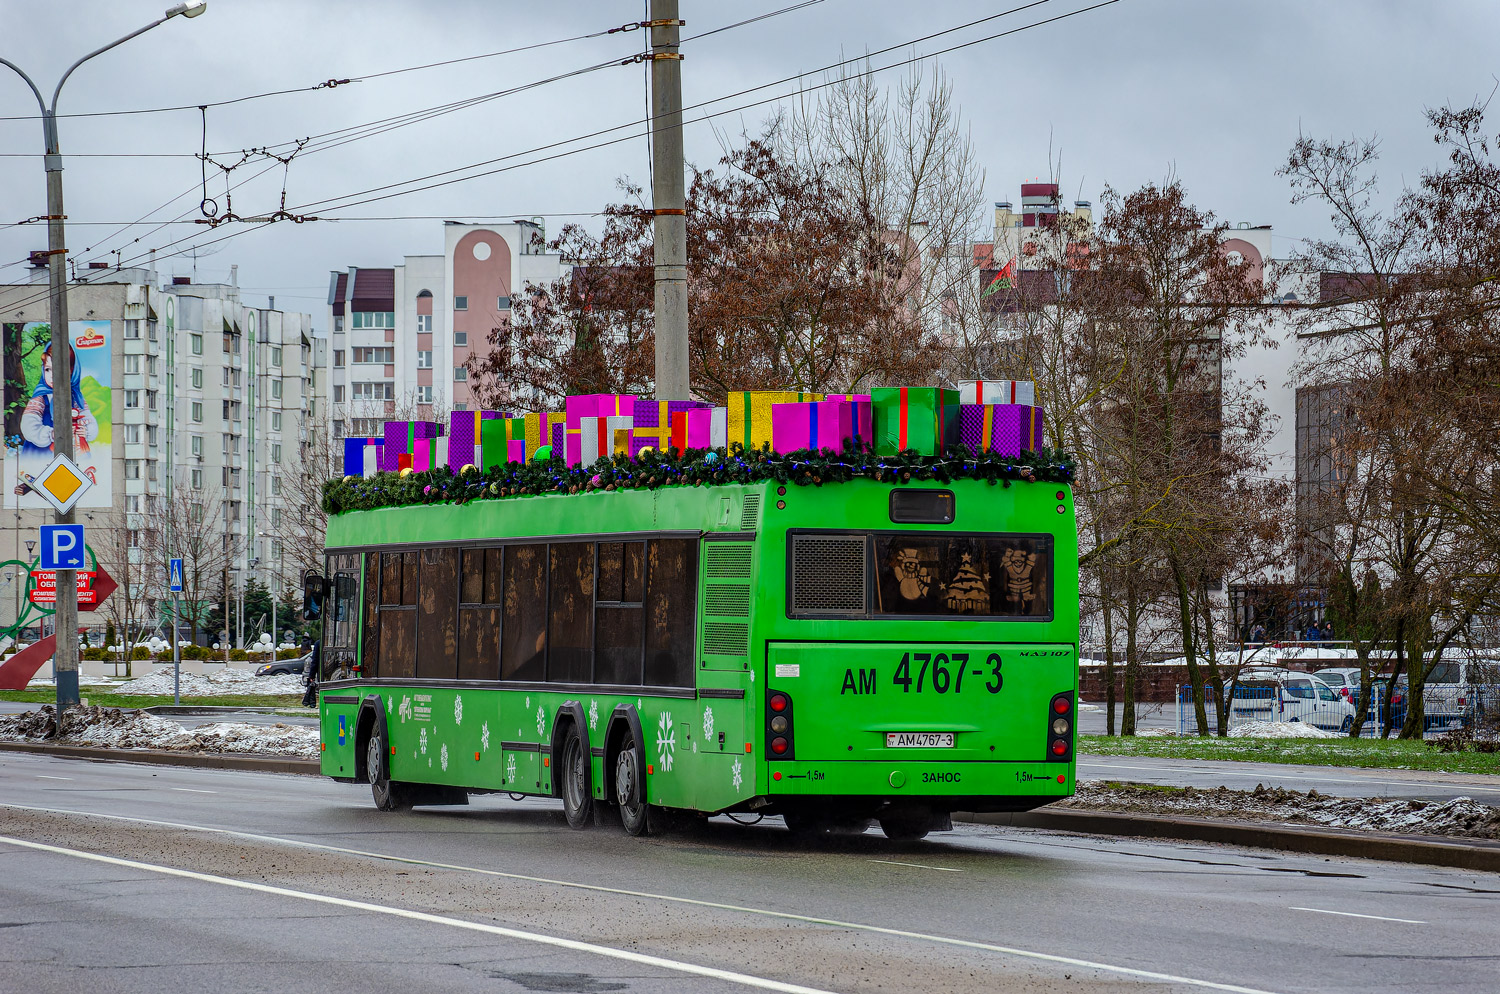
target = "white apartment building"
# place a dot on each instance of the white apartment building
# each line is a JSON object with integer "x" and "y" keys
{"x": 400, "y": 336}
{"x": 222, "y": 399}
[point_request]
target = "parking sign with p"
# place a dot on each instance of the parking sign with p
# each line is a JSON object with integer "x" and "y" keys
{"x": 62, "y": 547}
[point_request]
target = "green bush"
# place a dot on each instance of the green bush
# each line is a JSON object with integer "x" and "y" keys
{"x": 238, "y": 655}
{"x": 139, "y": 652}
{"x": 195, "y": 652}
{"x": 95, "y": 652}
{"x": 292, "y": 653}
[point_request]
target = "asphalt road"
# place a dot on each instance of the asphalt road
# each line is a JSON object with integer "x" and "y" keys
{"x": 323, "y": 893}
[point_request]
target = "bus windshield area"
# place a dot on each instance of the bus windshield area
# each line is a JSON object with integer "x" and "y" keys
{"x": 934, "y": 574}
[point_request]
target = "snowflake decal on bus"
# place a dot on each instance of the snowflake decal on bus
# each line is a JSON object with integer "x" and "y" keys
{"x": 510, "y": 769}
{"x": 443, "y": 755}
{"x": 541, "y": 720}
{"x": 405, "y": 710}
{"x": 666, "y": 741}
{"x": 458, "y": 710}
{"x": 422, "y": 742}
{"x": 735, "y": 770}
{"x": 593, "y": 715}
{"x": 484, "y": 736}
{"x": 708, "y": 723}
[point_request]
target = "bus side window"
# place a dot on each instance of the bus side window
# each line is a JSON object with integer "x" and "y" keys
{"x": 619, "y": 613}
{"x": 480, "y": 582}
{"x": 398, "y": 614}
{"x": 437, "y": 615}
{"x": 369, "y": 650}
{"x": 523, "y": 628}
{"x": 671, "y": 611}
{"x": 571, "y": 595}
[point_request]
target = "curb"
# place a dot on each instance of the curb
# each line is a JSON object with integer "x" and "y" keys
{"x": 1476, "y": 854}
{"x": 212, "y": 761}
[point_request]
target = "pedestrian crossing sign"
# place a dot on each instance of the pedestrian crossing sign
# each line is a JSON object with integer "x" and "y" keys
{"x": 174, "y": 576}
{"x": 61, "y": 484}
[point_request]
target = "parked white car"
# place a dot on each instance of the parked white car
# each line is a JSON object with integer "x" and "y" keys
{"x": 1268, "y": 695}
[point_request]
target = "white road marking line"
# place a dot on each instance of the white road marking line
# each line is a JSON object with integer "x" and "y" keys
{"x": 765, "y": 912}
{"x": 192, "y": 790}
{"x": 575, "y": 945}
{"x": 1350, "y": 914}
{"x": 920, "y": 866}
{"x": 1262, "y": 775}
{"x": 43, "y": 776}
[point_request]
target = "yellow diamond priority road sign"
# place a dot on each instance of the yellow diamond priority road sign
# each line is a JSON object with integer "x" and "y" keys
{"x": 61, "y": 484}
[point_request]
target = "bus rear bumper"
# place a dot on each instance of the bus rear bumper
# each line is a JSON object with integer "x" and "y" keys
{"x": 951, "y": 786}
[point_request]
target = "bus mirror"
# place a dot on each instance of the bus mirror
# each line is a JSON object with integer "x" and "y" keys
{"x": 313, "y": 589}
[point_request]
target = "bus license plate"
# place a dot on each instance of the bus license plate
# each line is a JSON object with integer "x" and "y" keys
{"x": 919, "y": 740}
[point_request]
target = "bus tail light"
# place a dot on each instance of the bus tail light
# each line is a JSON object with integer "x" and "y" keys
{"x": 779, "y": 740}
{"x": 1060, "y": 720}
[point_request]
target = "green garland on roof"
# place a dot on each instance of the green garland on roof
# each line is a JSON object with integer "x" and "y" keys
{"x": 697, "y": 467}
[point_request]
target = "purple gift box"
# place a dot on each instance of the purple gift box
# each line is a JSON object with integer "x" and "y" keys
{"x": 401, "y": 437}
{"x": 1004, "y": 429}
{"x": 823, "y": 424}
{"x": 464, "y": 437}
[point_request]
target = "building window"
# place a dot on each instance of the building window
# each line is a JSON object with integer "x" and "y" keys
{"x": 151, "y": 329}
{"x": 338, "y": 323}
{"x": 275, "y": 389}
{"x": 132, "y": 469}
{"x": 460, "y": 303}
{"x": 460, "y": 407}
{"x": 132, "y": 399}
{"x": 338, "y": 357}
{"x": 424, "y": 322}
{"x": 132, "y": 365}
{"x": 424, "y": 359}
{"x": 460, "y": 338}
{"x": 338, "y": 394}
{"x": 377, "y": 354}
{"x": 151, "y": 399}
{"x": 151, "y": 470}
{"x": 151, "y": 365}
{"x": 367, "y": 427}
{"x": 275, "y": 420}
{"x": 196, "y": 445}
{"x": 132, "y": 329}
{"x": 276, "y": 452}
{"x": 275, "y": 486}
{"x": 374, "y": 319}
{"x": 133, "y": 506}
{"x": 225, "y": 371}
{"x": 151, "y": 434}
{"x": 197, "y": 485}
{"x": 276, "y": 357}
{"x": 196, "y": 341}
{"x": 197, "y": 378}
{"x": 460, "y": 374}
{"x": 503, "y": 303}
{"x": 338, "y": 428}
{"x": 132, "y": 434}
{"x": 374, "y": 391}
{"x": 197, "y": 411}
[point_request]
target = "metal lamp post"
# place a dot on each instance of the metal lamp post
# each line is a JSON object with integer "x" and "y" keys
{"x": 65, "y": 659}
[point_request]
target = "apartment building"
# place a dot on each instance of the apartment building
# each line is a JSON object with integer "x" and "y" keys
{"x": 399, "y": 337}
{"x": 195, "y": 407}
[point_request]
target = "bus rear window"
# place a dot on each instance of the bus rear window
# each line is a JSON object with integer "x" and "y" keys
{"x": 994, "y": 576}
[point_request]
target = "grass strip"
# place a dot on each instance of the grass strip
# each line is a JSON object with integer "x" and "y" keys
{"x": 1392, "y": 754}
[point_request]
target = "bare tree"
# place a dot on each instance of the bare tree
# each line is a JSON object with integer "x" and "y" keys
{"x": 200, "y": 539}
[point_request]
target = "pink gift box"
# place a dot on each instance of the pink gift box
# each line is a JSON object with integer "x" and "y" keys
{"x": 824, "y": 424}
{"x": 700, "y": 428}
{"x": 597, "y": 405}
{"x": 515, "y": 450}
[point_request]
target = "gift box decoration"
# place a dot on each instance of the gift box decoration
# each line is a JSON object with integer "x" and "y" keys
{"x": 819, "y": 425}
{"x": 596, "y": 439}
{"x": 598, "y": 405}
{"x": 921, "y": 418}
{"x": 429, "y": 453}
{"x": 653, "y": 422}
{"x": 997, "y": 392}
{"x": 750, "y": 414}
{"x": 515, "y": 450}
{"x": 372, "y": 459}
{"x": 539, "y": 431}
{"x": 496, "y": 436}
{"x": 465, "y": 436}
{"x": 355, "y": 450}
{"x": 861, "y": 416}
{"x": 700, "y": 428}
{"x": 402, "y": 436}
{"x": 1004, "y": 429}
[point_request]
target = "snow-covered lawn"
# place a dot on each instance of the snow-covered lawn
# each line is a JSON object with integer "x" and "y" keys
{"x": 221, "y": 683}
{"x": 119, "y": 729}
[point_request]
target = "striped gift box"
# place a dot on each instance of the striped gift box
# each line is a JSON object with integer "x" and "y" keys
{"x": 1004, "y": 429}
{"x": 997, "y": 392}
{"x": 401, "y": 437}
{"x": 750, "y": 414}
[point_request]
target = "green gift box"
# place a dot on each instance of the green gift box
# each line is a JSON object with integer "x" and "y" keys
{"x": 920, "y": 418}
{"x": 494, "y": 436}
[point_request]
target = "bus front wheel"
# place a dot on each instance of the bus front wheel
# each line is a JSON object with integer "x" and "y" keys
{"x": 577, "y": 794}
{"x": 388, "y": 796}
{"x": 630, "y": 790}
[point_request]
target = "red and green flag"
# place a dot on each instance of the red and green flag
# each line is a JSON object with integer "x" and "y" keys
{"x": 1005, "y": 279}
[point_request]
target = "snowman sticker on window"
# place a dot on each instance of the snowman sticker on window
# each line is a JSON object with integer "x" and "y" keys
{"x": 913, "y": 578}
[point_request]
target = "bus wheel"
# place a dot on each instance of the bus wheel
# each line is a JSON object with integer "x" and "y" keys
{"x": 578, "y": 798}
{"x": 388, "y": 796}
{"x": 906, "y": 829}
{"x": 630, "y": 789}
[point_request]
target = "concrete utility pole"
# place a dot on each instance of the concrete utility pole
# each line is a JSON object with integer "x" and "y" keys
{"x": 65, "y": 659}
{"x": 668, "y": 197}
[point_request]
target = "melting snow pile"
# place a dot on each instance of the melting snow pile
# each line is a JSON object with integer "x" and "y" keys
{"x": 1280, "y": 730}
{"x": 217, "y": 684}
{"x": 115, "y": 728}
{"x": 1458, "y": 817}
{"x": 1155, "y": 733}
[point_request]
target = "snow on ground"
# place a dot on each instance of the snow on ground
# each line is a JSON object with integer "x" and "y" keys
{"x": 1085, "y": 706}
{"x": 1155, "y": 733}
{"x": 1458, "y": 817}
{"x": 214, "y": 684}
{"x": 1280, "y": 730}
{"x": 120, "y": 729}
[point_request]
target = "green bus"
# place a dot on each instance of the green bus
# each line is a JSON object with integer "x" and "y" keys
{"x": 835, "y": 655}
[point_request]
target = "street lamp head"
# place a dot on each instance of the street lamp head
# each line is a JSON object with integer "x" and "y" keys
{"x": 190, "y": 9}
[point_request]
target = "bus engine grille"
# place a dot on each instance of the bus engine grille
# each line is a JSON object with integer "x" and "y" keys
{"x": 828, "y": 574}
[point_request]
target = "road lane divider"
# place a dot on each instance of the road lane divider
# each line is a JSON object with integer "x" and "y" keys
{"x": 1010, "y": 951}
{"x": 539, "y": 938}
{"x": 1351, "y": 914}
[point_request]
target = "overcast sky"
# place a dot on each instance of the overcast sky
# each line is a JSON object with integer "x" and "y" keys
{"x": 1212, "y": 90}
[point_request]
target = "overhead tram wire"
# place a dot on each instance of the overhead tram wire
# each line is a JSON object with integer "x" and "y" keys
{"x": 805, "y": 89}
{"x": 706, "y": 103}
{"x": 333, "y": 203}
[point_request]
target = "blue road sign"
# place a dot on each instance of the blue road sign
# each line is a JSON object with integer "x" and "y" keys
{"x": 175, "y": 576}
{"x": 62, "y": 547}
